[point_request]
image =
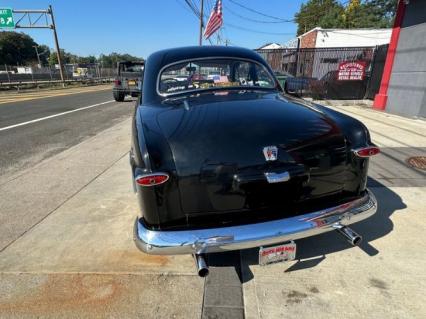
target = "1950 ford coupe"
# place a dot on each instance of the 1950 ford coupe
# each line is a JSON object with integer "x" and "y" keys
{"x": 222, "y": 159}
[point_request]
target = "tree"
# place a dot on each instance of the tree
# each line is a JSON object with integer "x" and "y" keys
{"x": 357, "y": 14}
{"x": 44, "y": 54}
{"x": 87, "y": 59}
{"x": 110, "y": 61}
{"x": 17, "y": 48}
{"x": 319, "y": 13}
{"x": 378, "y": 13}
{"x": 53, "y": 58}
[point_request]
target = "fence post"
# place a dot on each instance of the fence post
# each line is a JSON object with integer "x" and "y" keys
{"x": 50, "y": 73}
{"x": 372, "y": 64}
{"x": 7, "y": 72}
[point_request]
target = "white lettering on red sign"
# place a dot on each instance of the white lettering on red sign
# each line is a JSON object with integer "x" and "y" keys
{"x": 351, "y": 71}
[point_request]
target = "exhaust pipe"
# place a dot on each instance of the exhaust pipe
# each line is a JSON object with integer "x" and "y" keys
{"x": 351, "y": 236}
{"x": 200, "y": 263}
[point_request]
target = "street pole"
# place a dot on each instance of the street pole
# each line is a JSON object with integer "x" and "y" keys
{"x": 58, "y": 52}
{"x": 200, "y": 42}
{"x": 38, "y": 56}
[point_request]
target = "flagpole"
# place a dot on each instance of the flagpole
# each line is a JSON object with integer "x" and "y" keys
{"x": 200, "y": 42}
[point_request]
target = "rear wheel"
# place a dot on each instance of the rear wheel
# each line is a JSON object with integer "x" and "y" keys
{"x": 118, "y": 96}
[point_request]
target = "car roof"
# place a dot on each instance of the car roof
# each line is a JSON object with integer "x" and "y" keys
{"x": 168, "y": 56}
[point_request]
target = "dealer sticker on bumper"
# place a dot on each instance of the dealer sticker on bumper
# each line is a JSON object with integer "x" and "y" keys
{"x": 273, "y": 254}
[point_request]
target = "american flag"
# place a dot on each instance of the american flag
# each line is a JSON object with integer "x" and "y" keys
{"x": 215, "y": 20}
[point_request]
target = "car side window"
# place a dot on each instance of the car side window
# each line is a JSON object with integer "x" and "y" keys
{"x": 263, "y": 77}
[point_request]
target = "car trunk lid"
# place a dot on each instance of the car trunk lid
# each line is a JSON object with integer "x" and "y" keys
{"x": 218, "y": 143}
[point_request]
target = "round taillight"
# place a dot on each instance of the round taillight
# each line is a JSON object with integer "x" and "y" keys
{"x": 367, "y": 151}
{"x": 151, "y": 179}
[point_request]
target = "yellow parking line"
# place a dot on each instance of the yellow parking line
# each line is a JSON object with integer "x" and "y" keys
{"x": 34, "y": 96}
{"x": 71, "y": 90}
{"x": 52, "y": 91}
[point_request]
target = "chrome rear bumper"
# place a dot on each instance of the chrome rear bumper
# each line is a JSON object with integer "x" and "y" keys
{"x": 200, "y": 241}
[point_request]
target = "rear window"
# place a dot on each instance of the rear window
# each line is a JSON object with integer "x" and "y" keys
{"x": 131, "y": 67}
{"x": 213, "y": 73}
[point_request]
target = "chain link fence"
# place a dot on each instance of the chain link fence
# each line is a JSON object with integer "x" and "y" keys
{"x": 19, "y": 76}
{"x": 314, "y": 72}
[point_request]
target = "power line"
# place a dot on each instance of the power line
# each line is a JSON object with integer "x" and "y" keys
{"x": 191, "y": 6}
{"x": 193, "y": 9}
{"x": 253, "y": 20}
{"x": 257, "y": 31}
{"x": 258, "y": 12}
{"x": 280, "y": 20}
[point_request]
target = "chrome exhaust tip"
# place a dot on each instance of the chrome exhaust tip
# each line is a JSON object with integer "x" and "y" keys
{"x": 351, "y": 236}
{"x": 201, "y": 264}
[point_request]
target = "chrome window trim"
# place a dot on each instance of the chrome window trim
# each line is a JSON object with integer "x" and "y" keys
{"x": 207, "y": 58}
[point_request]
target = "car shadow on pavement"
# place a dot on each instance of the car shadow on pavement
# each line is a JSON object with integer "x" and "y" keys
{"x": 313, "y": 250}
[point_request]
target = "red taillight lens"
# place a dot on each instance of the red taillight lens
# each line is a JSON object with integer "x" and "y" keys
{"x": 117, "y": 82}
{"x": 367, "y": 151}
{"x": 151, "y": 179}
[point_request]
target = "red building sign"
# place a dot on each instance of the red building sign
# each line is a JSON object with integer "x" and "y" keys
{"x": 351, "y": 71}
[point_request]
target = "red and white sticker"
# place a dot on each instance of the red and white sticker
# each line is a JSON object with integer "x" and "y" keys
{"x": 284, "y": 252}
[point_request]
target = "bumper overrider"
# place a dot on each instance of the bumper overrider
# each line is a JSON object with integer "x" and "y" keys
{"x": 202, "y": 241}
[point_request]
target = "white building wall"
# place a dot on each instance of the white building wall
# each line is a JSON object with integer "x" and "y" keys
{"x": 329, "y": 38}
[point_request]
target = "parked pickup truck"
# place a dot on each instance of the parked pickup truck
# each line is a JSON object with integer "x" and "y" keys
{"x": 129, "y": 74}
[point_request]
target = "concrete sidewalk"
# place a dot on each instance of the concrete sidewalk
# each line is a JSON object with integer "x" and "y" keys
{"x": 67, "y": 250}
{"x": 385, "y": 277}
{"x": 67, "y": 243}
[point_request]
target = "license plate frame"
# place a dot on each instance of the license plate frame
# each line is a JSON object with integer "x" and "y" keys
{"x": 277, "y": 253}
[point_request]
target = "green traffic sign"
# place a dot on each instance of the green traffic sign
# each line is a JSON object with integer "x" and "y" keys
{"x": 6, "y": 18}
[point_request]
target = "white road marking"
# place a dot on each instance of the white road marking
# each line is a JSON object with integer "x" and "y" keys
{"x": 52, "y": 116}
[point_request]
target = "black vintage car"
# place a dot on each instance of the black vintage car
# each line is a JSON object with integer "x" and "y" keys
{"x": 223, "y": 160}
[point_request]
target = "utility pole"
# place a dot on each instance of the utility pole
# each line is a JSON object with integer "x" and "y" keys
{"x": 200, "y": 42}
{"x": 58, "y": 52}
{"x": 38, "y": 56}
{"x": 38, "y": 19}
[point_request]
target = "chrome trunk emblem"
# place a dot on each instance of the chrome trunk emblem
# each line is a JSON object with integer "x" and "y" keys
{"x": 270, "y": 153}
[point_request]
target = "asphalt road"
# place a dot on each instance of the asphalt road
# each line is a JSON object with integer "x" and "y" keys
{"x": 33, "y": 130}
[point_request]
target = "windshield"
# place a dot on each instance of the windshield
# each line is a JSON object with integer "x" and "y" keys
{"x": 213, "y": 73}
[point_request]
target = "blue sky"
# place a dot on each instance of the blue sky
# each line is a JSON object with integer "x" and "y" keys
{"x": 140, "y": 27}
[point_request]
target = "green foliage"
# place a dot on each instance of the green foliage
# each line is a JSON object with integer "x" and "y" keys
{"x": 17, "y": 48}
{"x": 71, "y": 58}
{"x": 319, "y": 13}
{"x": 356, "y": 14}
{"x": 44, "y": 54}
{"x": 111, "y": 60}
